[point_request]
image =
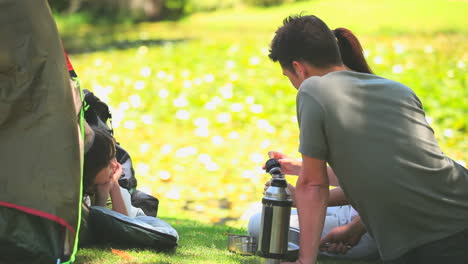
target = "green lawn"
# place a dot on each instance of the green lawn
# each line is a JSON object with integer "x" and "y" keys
{"x": 199, "y": 244}
{"x": 198, "y": 104}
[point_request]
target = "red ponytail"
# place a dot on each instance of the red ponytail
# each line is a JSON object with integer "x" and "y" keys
{"x": 351, "y": 51}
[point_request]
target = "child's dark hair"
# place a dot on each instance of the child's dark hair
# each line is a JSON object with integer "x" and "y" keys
{"x": 98, "y": 157}
{"x": 308, "y": 39}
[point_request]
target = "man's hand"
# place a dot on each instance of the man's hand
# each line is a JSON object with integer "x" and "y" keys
{"x": 342, "y": 238}
{"x": 289, "y": 166}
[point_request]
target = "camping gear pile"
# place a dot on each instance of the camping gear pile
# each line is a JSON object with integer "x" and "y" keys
{"x": 98, "y": 116}
{"x": 104, "y": 226}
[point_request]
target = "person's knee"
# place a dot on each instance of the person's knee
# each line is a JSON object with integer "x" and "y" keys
{"x": 254, "y": 225}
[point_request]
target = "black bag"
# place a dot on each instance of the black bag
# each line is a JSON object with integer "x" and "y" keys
{"x": 107, "y": 227}
{"x": 127, "y": 180}
{"x": 146, "y": 202}
{"x": 98, "y": 116}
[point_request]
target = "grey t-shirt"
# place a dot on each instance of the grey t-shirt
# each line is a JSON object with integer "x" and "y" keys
{"x": 373, "y": 133}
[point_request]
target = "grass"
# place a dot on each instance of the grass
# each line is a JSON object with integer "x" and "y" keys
{"x": 200, "y": 243}
{"x": 198, "y": 104}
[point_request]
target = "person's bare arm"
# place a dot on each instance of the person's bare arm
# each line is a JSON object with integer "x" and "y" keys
{"x": 102, "y": 193}
{"x": 332, "y": 179}
{"x": 342, "y": 238}
{"x": 292, "y": 166}
{"x": 337, "y": 197}
{"x": 289, "y": 166}
{"x": 112, "y": 188}
{"x": 118, "y": 203}
{"x": 312, "y": 191}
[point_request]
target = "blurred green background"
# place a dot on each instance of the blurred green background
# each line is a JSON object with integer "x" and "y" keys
{"x": 197, "y": 103}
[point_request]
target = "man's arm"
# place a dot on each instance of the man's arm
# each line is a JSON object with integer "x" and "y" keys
{"x": 291, "y": 166}
{"x": 312, "y": 192}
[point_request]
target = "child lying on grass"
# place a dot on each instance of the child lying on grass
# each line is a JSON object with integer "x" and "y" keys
{"x": 124, "y": 226}
{"x": 101, "y": 174}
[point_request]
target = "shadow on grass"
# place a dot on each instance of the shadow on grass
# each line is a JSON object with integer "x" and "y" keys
{"x": 80, "y": 38}
{"x": 95, "y": 43}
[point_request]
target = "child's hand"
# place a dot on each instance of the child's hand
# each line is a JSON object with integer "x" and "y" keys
{"x": 116, "y": 170}
{"x": 114, "y": 176}
{"x": 114, "y": 179}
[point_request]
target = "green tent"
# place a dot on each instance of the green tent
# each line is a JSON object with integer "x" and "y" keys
{"x": 40, "y": 153}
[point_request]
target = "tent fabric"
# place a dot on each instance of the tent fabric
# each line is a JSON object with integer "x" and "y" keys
{"x": 46, "y": 247}
{"x": 39, "y": 137}
{"x": 117, "y": 230}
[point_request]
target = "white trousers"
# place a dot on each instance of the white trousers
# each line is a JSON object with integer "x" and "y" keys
{"x": 336, "y": 216}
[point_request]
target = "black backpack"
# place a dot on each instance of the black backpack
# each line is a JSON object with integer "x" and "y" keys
{"x": 97, "y": 115}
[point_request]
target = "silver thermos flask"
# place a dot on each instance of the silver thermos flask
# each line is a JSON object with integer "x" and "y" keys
{"x": 276, "y": 211}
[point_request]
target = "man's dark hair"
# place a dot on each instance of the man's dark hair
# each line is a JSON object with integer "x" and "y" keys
{"x": 305, "y": 38}
{"x": 98, "y": 157}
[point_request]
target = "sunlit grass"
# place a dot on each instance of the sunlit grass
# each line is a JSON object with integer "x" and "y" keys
{"x": 199, "y": 243}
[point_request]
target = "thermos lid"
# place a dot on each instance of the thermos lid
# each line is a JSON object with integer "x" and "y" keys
{"x": 272, "y": 163}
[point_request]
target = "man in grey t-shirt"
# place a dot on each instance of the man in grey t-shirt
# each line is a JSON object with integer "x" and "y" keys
{"x": 372, "y": 131}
